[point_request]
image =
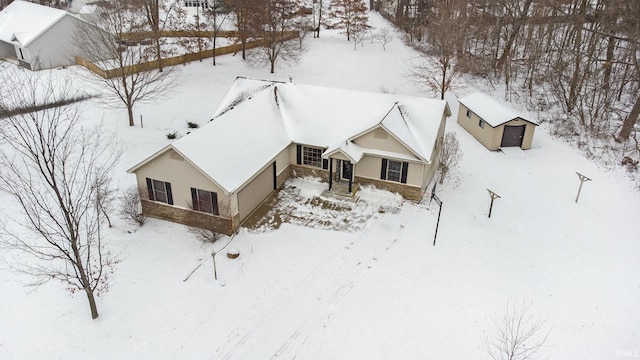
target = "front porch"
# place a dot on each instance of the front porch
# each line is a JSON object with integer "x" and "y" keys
{"x": 341, "y": 184}
{"x": 340, "y": 191}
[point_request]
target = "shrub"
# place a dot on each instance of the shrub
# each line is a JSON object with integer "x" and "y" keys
{"x": 172, "y": 135}
{"x": 131, "y": 207}
{"x": 192, "y": 125}
{"x": 205, "y": 235}
{"x": 450, "y": 154}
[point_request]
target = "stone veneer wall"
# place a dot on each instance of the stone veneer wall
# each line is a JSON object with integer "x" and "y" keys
{"x": 282, "y": 177}
{"x": 407, "y": 191}
{"x": 189, "y": 217}
{"x": 303, "y": 171}
{"x": 229, "y": 226}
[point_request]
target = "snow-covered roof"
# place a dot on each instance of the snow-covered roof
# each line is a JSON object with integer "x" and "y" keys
{"x": 21, "y": 22}
{"x": 490, "y": 110}
{"x": 258, "y": 119}
{"x": 350, "y": 149}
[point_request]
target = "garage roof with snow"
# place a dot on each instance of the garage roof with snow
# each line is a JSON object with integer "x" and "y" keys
{"x": 21, "y": 22}
{"x": 490, "y": 110}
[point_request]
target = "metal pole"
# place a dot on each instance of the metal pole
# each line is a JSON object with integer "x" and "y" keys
{"x": 437, "y": 225}
{"x": 579, "y": 189}
{"x": 491, "y": 207}
{"x": 583, "y": 179}
{"x": 493, "y": 197}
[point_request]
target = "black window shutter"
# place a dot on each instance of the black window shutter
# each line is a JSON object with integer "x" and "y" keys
{"x": 325, "y": 164}
{"x": 299, "y": 154}
{"x": 150, "y": 189}
{"x": 383, "y": 172}
{"x": 403, "y": 177}
{"x": 169, "y": 194}
{"x": 194, "y": 199}
{"x": 214, "y": 202}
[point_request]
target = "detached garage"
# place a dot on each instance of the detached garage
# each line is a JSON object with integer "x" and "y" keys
{"x": 493, "y": 124}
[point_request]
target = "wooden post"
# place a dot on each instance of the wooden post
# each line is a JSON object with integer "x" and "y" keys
{"x": 215, "y": 271}
{"x": 583, "y": 179}
{"x": 141, "y": 124}
{"x": 330, "y": 173}
{"x": 350, "y": 178}
{"x": 493, "y": 197}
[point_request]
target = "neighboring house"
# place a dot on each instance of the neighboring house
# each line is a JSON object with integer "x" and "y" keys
{"x": 40, "y": 37}
{"x": 493, "y": 124}
{"x": 265, "y": 132}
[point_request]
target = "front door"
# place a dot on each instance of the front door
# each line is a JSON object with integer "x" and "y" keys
{"x": 345, "y": 174}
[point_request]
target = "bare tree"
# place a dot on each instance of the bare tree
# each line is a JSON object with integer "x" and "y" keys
{"x": 358, "y": 36}
{"x": 216, "y": 15}
{"x": 242, "y": 11}
{"x": 317, "y": 11}
{"x": 630, "y": 27}
{"x": 195, "y": 42}
{"x": 131, "y": 206}
{"x": 450, "y": 155}
{"x": 125, "y": 84}
{"x": 350, "y": 15}
{"x": 447, "y": 31}
{"x": 55, "y": 170}
{"x": 517, "y": 334}
{"x": 272, "y": 21}
{"x": 436, "y": 75}
{"x": 160, "y": 15}
{"x": 383, "y": 37}
{"x": 302, "y": 24}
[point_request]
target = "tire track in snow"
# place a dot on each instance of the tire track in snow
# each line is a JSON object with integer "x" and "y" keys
{"x": 294, "y": 317}
{"x": 287, "y": 349}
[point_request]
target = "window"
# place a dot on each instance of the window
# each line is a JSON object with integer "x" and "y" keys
{"x": 469, "y": 114}
{"x": 205, "y": 201}
{"x": 159, "y": 191}
{"x": 312, "y": 156}
{"x": 394, "y": 171}
{"x": 481, "y": 123}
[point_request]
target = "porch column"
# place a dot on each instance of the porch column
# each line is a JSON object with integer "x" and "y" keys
{"x": 330, "y": 173}
{"x": 351, "y": 178}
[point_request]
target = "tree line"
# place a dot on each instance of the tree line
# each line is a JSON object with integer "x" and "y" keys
{"x": 581, "y": 55}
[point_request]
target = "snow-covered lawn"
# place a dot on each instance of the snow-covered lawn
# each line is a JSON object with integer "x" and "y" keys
{"x": 378, "y": 291}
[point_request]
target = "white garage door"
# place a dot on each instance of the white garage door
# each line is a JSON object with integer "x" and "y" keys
{"x": 254, "y": 193}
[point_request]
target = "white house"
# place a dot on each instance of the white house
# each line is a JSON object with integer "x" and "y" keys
{"x": 266, "y": 131}
{"x": 39, "y": 37}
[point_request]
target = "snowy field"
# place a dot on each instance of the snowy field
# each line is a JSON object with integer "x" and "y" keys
{"x": 378, "y": 291}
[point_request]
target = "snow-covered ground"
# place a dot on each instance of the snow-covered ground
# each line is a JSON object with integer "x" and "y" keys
{"x": 379, "y": 291}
